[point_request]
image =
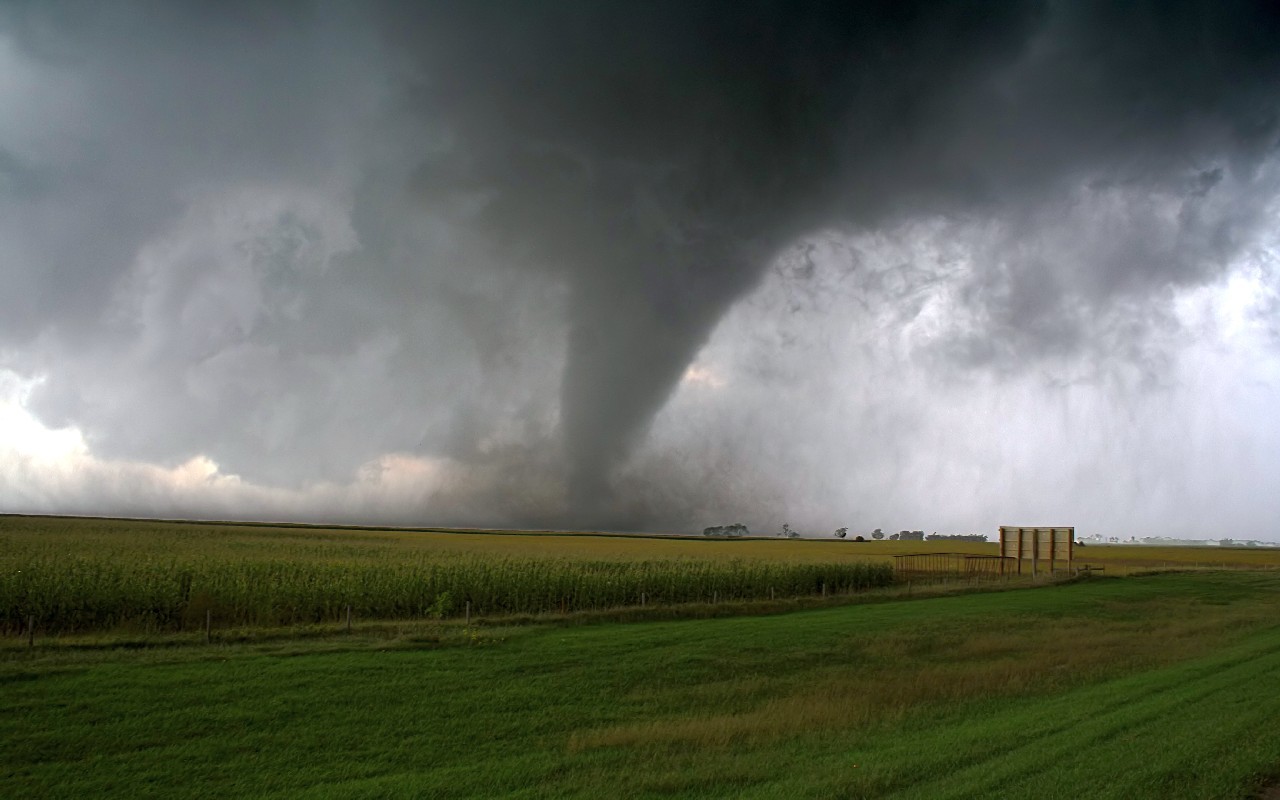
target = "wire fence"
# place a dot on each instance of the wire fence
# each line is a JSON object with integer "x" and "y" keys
{"x": 922, "y": 565}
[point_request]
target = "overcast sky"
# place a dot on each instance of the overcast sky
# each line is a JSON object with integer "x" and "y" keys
{"x": 644, "y": 266}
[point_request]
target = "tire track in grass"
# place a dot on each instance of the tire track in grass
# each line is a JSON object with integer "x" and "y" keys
{"x": 1138, "y": 703}
{"x": 1042, "y": 727}
{"x": 956, "y": 747}
{"x": 1120, "y": 736}
{"x": 1109, "y": 721}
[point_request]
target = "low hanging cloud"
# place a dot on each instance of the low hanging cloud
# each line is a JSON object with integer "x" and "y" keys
{"x": 509, "y": 239}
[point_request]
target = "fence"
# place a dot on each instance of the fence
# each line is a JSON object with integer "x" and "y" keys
{"x": 939, "y": 564}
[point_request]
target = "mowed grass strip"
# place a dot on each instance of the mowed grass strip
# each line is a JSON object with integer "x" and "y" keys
{"x": 1144, "y": 687}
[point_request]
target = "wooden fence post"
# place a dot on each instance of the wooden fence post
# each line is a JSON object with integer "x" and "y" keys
{"x": 208, "y": 626}
{"x": 348, "y": 618}
{"x": 31, "y": 630}
{"x": 468, "y": 613}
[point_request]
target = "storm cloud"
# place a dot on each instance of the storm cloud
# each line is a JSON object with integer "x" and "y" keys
{"x": 515, "y": 241}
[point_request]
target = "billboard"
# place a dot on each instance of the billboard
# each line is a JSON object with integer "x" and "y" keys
{"x": 1038, "y": 548}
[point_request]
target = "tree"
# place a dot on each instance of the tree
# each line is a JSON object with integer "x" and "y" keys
{"x": 788, "y": 532}
{"x": 736, "y": 529}
{"x": 877, "y": 534}
{"x": 957, "y": 537}
{"x": 842, "y": 532}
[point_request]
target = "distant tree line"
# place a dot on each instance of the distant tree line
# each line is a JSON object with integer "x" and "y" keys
{"x": 916, "y": 536}
{"x": 736, "y": 529}
{"x": 958, "y": 537}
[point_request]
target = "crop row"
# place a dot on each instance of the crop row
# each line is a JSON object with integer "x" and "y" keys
{"x": 71, "y": 593}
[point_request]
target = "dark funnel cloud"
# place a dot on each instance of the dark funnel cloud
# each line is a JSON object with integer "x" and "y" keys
{"x": 660, "y": 155}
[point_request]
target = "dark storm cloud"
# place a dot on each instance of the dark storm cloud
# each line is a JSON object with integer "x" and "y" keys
{"x": 141, "y": 103}
{"x": 452, "y": 227}
{"x": 660, "y": 154}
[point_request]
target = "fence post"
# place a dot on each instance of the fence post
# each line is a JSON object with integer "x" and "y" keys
{"x": 31, "y": 630}
{"x": 208, "y": 626}
{"x": 770, "y": 594}
{"x": 468, "y": 613}
{"x": 642, "y": 599}
{"x": 824, "y": 588}
{"x": 348, "y": 618}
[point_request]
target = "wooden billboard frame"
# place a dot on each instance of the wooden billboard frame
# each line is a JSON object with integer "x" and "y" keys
{"x": 1014, "y": 540}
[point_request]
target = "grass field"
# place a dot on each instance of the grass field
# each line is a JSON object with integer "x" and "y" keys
{"x": 249, "y": 541}
{"x": 145, "y": 539}
{"x": 148, "y": 538}
{"x": 1160, "y": 686}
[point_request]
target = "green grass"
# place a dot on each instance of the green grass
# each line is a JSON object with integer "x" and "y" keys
{"x": 1160, "y": 686}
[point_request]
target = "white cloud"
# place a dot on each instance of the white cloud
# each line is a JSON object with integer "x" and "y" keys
{"x": 844, "y": 415}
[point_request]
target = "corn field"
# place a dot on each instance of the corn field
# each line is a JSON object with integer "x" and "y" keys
{"x": 92, "y": 591}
